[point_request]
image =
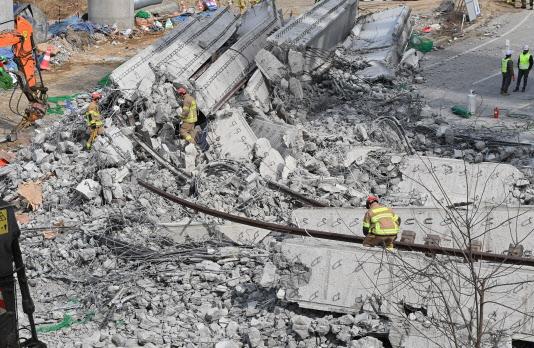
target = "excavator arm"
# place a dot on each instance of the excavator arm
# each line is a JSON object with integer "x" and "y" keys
{"x": 21, "y": 38}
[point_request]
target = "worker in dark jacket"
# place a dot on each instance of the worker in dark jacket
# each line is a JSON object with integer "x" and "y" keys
{"x": 524, "y": 64}
{"x": 507, "y": 72}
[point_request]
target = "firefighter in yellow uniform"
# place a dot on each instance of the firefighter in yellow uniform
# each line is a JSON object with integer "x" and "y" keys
{"x": 94, "y": 122}
{"x": 241, "y": 4}
{"x": 189, "y": 116}
{"x": 380, "y": 225}
{"x": 253, "y": 2}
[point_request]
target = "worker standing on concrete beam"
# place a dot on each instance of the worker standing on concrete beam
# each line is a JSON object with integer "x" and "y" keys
{"x": 507, "y": 72}
{"x": 524, "y": 64}
{"x": 241, "y": 4}
{"x": 94, "y": 122}
{"x": 189, "y": 116}
{"x": 380, "y": 225}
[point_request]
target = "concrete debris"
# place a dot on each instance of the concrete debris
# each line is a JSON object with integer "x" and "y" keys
{"x": 285, "y": 120}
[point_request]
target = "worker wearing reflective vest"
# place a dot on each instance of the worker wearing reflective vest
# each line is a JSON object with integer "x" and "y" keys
{"x": 241, "y": 4}
{"x": 507, "y": 72}
{"x": 94, "y": 122}
{"x": 189, "y": 116}
{"x": 380, "y": 225}
{"x": 524, "y": 64}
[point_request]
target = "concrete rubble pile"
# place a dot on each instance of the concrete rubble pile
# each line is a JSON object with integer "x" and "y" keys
{"x": 282, "y": 105}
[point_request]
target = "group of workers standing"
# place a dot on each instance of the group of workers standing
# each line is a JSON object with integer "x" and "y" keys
{"x": 523, "y": 3}
{"x": 524, "y": 64}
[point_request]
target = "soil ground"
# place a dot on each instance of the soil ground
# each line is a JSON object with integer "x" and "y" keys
{"x": 85, "y": 69}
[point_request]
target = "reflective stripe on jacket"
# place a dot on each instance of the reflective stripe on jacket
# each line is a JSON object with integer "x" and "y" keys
{"x": 189, "y": 110}
{"x": 93, "y": 114}
{"x": 524, "y": 61}
{"x": 505, "y": 64}
{"x": 381, "y": 220}
{"x": 241, "y": 3}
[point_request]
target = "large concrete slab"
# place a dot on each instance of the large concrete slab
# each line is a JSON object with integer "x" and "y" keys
{"x": 495, "y": 227}
{"x": 280, "y": 135}
{"x": 340, "y": 277}
{"x": 380, "y": 38}
{"x": 323, "y": 26}
{"x": 181, "y": 52}
{"x": 237, "y": 62}
{"x": 231, "y": 136}
{"x": 430, "y": 180}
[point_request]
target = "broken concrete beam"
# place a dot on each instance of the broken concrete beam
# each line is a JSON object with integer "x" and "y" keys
{"x": 495, "y": 227}
{"x": 89, "y": 189}
{"x": 280, "y": 135}
{"x": 257, "y": 90}
{"x": 322, "y": 26}
{"x": 454, "y": 181}
{"x": 114, "y": 147}
{"x": 223, "y": 77}
{"x": 270, "y": 66}
{"x": 180, "y": 53}
{"x": 231, "y": 136}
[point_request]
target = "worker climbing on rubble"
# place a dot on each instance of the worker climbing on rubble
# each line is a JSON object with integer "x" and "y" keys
{"x": 380, "y": 225}
{"x": 524, "y": 64}
{"x": 189, "y": 116}
{"x": 94, "y": 121}
{"x": 241, "y": 4}
{"x": 507, "y": 72}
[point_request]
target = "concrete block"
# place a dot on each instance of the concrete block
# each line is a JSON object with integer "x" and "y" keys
{"x": 358, "y": 155}
{"x": 281, "y": 135}
{"x": 178, "y": 53}
{"x": 257, "y": 90}
{"x": 270, "y": 66}
{"x": 296, "y": 61}
{"x": 221, "y": 78}
{"x": 242, "y": 234}
{"x": 89, "y": 189}
{"x": 272, "y": 166}
{"x": 231, "y": 136}
{"x": 295, "y": 87}
{"x": 190, "y": 157}
{"x": 150, "y": 125}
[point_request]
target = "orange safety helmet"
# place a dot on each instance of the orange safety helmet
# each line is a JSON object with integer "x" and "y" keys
{"x": 97, "y": 96}
{"x": 370, "y": 201}
{"x": 182, "y": 91}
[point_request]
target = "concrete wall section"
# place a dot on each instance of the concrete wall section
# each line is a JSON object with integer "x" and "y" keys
{"x": 495, "y": 228}
{"x": 231, "y": 136}
{"x": 184, "y": 50}
{"x": 111, "y": 12}
{"x": 223, "y": 75}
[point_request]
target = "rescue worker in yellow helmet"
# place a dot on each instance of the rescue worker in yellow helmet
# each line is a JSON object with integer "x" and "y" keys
{"x": 524, "y": 64}
{"x": 94, "y": 122}
{"x": 380, "y": 225}
{"x": 189, "y": 116}
{"x": 241, "y": 4}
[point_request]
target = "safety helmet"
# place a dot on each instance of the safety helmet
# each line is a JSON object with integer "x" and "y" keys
{"x": 96, "y": 96}
{"x": 525, "y": 48}
{"x": 508, "y": 52}
{"x": 182, "y": 91}
{"x": 370, "y": 201}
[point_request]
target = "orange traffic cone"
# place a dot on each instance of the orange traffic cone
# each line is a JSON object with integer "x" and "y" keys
{"x": 200, "y": 6}
{"x": 45, "y": 64}
{"x": 184, "y": 9}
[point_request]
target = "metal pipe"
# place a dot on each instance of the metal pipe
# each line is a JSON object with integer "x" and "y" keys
{"x": 432, "y": 249}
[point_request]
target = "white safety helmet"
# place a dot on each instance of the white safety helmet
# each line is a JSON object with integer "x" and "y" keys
{"x": 508, "y": 52}
{"x": 525, "y": 48}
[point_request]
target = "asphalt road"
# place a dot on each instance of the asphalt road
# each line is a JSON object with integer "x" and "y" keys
{"x": 475, "y": 64}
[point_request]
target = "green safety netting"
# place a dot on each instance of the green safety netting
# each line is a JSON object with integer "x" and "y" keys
{"x": 67, "y": 322}
{"x": 143, "y": 14}
{"x": 59, "y": 109}
{"x": 104, "y": 82}
{"x": 6, "y": 81}
{"x": 420, "y": 44}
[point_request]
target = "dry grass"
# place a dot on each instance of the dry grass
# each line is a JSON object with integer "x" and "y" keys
{"x": 53, "y": 8}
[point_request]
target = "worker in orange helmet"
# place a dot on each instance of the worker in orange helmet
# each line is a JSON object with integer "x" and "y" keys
{"x": 189, "y": 116}
{"x": 380, "y": 225}
{"x": 94, "y": 122}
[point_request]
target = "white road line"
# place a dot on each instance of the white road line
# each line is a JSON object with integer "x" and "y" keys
{"x": 484, "y": 44}
{"x": 487, "y": 78}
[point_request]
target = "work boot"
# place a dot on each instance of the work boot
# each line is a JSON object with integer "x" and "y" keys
{"x": 516, "y": 89}
{"x": 532, "y": 7}
{"x": 523, "y": 7}
{"x": 505, "y": 93}
{"x": 523, "y": 89}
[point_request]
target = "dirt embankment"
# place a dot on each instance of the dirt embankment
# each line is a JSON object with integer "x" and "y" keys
{"x": 53, "y": 9}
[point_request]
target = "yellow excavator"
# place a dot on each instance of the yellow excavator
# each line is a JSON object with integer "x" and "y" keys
{"x": 28, "y": 74}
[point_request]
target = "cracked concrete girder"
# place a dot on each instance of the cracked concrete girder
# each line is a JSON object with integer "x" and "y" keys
{"x": 180, "y": 53}
{"x": 495, "y": 227}
{"x": 344, "y": 276}
{"x": 485, "y": 183}
{"x": 237, "y": 62}
{"x": 280, "y": 135}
